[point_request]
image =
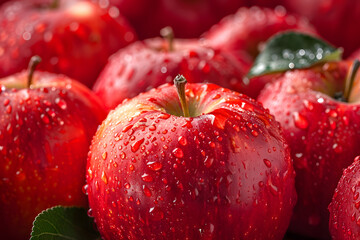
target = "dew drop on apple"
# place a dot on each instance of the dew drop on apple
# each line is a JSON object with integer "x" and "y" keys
{"x": 45, "y": 119}
{"x": 147, "y": 191}
{"x": 208, "y": 161}
{"x": 273, "y": 189}
{"x": 300, "y": 121}
{"x": 122, "y": 155}
{"x": 155, "y": 166}
{"x": 20, "y": 175}
{"x": 61, "y": 103}
{"x": 90, "y": 212}
{"x": 85, "y": 189}
{"x": 104, "y": 177}
{"x": 135, "y": 146}
{"x": 156, "y": 213}
{"x": 178, "y": 153}
{"x": 146, "y": 177}
{"x": 182, "y": 140}
{"x": 267, "y": 163}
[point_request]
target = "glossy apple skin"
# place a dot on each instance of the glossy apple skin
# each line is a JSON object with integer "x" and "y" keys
{"x": 148, "y": 64}
{"x": 323, "y": 135}
{"x": 189, "y": 19}
{"x": 74, "y": 39}
{"x": 344, "y": 209}
{"x": 225, "y": 173}
{"x": 45, "y": 134}
{"x": 248, "y": 29}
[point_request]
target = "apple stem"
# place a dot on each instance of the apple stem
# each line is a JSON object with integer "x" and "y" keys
{"x": 55, "y": 4}
{"x": 34, "y": 61}
{"x": 180, "y": 82}
{"x": 168, "y": 34}
{"x": 350, "y": 79}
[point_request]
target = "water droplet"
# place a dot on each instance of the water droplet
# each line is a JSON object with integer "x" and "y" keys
{"x": 61, "y": 103}
{"x": 182, "y": 140}
{"x": 131, "y": 167}
{"x": 8, "y": 109}
{"x": 135, "y": 146}
{"x": 267, "y": 163}
{"x": 156, "y": 213}
{"x": 208, "y": 161}
{"x": 300, "y": 121}
{"x": 45, "y": 119}
{"x": 104, "y": 177}
{"x": 155, "y": 166}
{"x": 90, "y": 212}
{"x": 85, "y": 189}
{"x": 146, "y": 177}
{"x": 122, "y": 155}
{"x": 147, "y": 191}
{"x": 178, "y": 153}
{"x": 127, "y": 185}
{"x": 104, "y": 155}
{"x": 20, "y": 175}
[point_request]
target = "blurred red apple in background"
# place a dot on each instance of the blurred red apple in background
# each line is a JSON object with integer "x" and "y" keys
{"x": 344, "y": 208}
{"x": 189, "y": 19}
{"x": 220, "y": 170}
{"x": 246, "y": 31}
{"x": 150, "y": 63}
{"x": 335, "y": 20}
{"x": 73, "y": 37}
{"x": 46, "y": 125}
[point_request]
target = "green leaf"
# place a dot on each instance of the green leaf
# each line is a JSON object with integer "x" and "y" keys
{"x": 293, "y": 50}
{"x": 60, "y": 223}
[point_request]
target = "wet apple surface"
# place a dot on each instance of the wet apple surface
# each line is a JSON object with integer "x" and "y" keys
{"x": 222, "y": 172}
{"x": 45, "y": 132}
{"x": 322, "y": 132}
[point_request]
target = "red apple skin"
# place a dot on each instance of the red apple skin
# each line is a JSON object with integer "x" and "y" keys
{"x": 344, "y": 208}
{"x": 225, "y": 173}
{"x": 45, "y": 134}
{"x": 74, "y": 39}
{"x": 148, "y": 64}
{"x": 189, "y": 19}
{"x": 248, "y": 29}
{"x": 323, "y": 135}
{"x": 329, "y": 17}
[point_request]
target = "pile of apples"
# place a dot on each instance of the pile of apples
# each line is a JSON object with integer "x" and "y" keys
{"x": 178, "y": 119}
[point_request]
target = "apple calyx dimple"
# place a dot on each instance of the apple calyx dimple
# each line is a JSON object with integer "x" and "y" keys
{"x": 168, "y": 34}
{"x": 180, "y": 83}
{"x": 34, "y": 61}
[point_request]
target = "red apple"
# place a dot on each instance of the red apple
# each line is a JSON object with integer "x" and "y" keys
{"x": 189, "y": 19}
{"x": 344, "y": 208}
{"x": 335, "y": 20}
{"x": 45, "y": 132}
{"x": 216, "y": 169}
{"x": 73, "y": 37}
{"x": 248, "y": 29}
{"x": 150, "y": 63}
{"x": 321, "y": 120}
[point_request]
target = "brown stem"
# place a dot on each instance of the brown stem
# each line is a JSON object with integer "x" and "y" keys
{"x": 55, "y": 4}
{"x": 350, "y": 79}
{"x": 34, "y": 61}
{"x": 168, "y": 34}
{"x": 180, "y": 82}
